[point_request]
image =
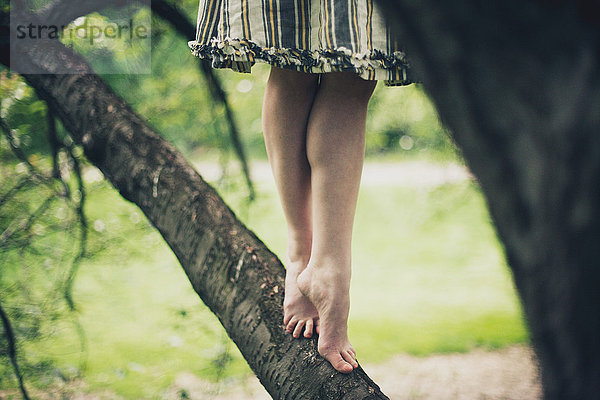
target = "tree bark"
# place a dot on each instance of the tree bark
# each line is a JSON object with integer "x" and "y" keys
{"x": 518, "y": 84}
{"x": 232, "y": 271}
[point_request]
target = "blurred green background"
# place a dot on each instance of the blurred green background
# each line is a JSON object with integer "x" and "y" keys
{"x": 429, "y": 274}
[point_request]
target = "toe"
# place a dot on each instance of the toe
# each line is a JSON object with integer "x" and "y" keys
{"x": 352, "y": 352}
{"x": 336, "y": 360}
{"x": 286, "y": 318}
{"x": 308, "y": 329}
{"x": 349, "y": 357}
{"x": 290, "y": 325}
{"x": 298, "y": 329}
{"x": 339, "y": 363}
{"x": 318, "y": 326}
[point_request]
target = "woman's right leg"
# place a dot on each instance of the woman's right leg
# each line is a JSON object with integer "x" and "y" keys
{"x": 335, "y": 150}
{"x": 287, "y": 103}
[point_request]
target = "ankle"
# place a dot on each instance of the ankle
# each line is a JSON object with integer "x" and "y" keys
{"x": 333, "y": 264}
{"x": 334, "y": 277}
{"x": 298, "y": 251}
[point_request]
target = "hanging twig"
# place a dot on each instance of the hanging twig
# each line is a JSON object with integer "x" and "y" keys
{"x": 56, "y": 143}
{"x": 12, "y": 350}
{"x": 217, "y": 91}
{"x": 25, "y": 225}
{"x": 22, "y": 183}
{"x": 68, "y": 293}
{"x": 33, "y": 171}
{"x": 181, "y": 24}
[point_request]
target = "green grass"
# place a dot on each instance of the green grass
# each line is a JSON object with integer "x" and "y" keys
{"x": 428, "y": 277}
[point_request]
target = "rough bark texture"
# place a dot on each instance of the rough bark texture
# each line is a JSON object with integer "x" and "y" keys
{"x": 229, "y": 267}
{"x": 518, "y": 84}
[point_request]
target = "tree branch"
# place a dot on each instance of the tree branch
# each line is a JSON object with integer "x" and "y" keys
{"x": 234, "y": 273}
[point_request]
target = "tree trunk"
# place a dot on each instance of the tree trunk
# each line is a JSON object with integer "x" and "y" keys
{"x": 518, "y": 84}
{"x": 232, "y": 271}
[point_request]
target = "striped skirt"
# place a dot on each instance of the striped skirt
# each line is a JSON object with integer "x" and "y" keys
{"x": 314, "y": 36}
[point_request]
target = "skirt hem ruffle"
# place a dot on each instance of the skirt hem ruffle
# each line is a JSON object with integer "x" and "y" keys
{"x": 240, "y": 55}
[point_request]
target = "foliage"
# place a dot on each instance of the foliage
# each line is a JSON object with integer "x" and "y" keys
{"x": 34, "y": 226}
{"x": 403, "y": 121}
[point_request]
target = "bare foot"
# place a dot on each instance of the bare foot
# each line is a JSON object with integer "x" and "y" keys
{"x": 329, "y": 290}
{"x": 299, "y": 314}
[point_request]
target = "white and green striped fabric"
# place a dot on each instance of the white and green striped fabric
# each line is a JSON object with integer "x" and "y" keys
{"x": 313, "y": 36}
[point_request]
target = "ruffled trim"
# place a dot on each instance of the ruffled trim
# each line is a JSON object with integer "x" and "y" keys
{"x": 240, "y": 55}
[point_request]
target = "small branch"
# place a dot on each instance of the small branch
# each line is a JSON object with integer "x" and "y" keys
{"x": 55, "y": 145}
{"x": 23, "y": 182}
{"x": 26, "y": 224}
{"x": 221, "y": 96}
{"x": 82, "y": 232}
{"x": 53, "y": 141}
{"x": 12, "y": 350}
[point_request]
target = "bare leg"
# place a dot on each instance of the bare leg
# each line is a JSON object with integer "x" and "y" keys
{"x": 335, "y": 149}
{"x": 288, "y": 99}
